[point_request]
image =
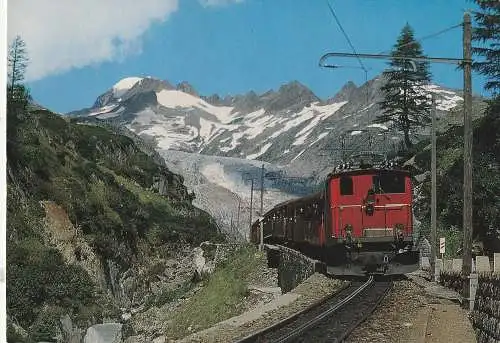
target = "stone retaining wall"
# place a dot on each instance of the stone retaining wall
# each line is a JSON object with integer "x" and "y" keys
{"x": 485, "y": 292}
{"x": 486, "y": 314}
{"x": 293, "y": 267}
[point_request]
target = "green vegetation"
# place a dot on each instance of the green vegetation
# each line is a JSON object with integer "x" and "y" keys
{"x": 107, "y": 187}
{"x": 221, "y": 296}
{"x": 405, "y": 100}
{"x": 486, "y": 38}
{"x": 486, "y": 184}
{"x": 121, "y": 201}
{"x": 167, "y": 295}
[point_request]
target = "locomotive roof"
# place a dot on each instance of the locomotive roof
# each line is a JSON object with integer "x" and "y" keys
{"x": 370, "y": 170}
{"x": 338, "y": 173}
{"x": 317, "y": 195}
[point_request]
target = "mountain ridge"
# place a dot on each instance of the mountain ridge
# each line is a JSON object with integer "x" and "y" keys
{"x": 286, "y": 125}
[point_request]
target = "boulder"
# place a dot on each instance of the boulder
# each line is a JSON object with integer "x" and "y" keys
{"x": 104, "y": 333}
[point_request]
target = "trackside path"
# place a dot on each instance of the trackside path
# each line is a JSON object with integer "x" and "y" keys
{"x": 419, "y": 312}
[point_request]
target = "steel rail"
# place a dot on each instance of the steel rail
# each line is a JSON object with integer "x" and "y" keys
{"x": 297, "y": 331}
{"x": 307, "y": 326}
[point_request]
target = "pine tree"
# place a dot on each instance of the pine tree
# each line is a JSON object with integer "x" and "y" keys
{"x": 18, "y": 95}
{"x": 405, "y": 101}
{"x": 487, "y": 34}
{"x": 17, "y": 62}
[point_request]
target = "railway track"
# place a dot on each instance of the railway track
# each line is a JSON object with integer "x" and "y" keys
{"x": 330, "y": 321}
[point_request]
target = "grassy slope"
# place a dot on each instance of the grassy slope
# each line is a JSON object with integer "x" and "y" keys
{"x": 106, "y": 185}
{"x": 221, "y": 296}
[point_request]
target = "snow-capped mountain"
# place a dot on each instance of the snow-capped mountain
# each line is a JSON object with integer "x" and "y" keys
{"x": 287, "y": 126}
{"x": 215, "y": 142}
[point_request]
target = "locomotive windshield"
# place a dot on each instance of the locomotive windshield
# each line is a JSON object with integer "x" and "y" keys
{"x": 346, "y": 185}
{"x": 389, "y": 183}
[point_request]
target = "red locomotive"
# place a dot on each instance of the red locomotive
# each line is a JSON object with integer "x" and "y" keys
{"x": 361, "y": 222}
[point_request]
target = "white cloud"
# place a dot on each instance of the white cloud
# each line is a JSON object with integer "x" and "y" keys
{"x": 65, "y": 34}
{"x": 207, "y": 3}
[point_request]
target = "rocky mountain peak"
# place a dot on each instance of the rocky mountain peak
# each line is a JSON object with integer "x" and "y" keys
{"x": 292, "y": 96}
{"x": 345, "y": 93}
{"x": 295, "y": 87}
{"x": 129, "y": 87}
{"x": 186, "y": 87}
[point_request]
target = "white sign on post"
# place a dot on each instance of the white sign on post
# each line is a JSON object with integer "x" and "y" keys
{"x": 442, "y": 245}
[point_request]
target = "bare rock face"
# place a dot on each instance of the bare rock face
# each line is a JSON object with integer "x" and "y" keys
{"x": 70, "y": 333}
{"x": 203, "y": 268}
{"x": 104, "y": 333}
{"x": 70, "y": 242}
{"x": 208, "y": 255}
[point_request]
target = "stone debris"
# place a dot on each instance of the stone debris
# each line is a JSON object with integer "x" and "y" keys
{"x": 434, "y": 289}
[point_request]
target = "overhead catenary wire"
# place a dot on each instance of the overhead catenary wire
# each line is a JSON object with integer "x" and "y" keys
{"x": 432, "y": 35}
{"x": 332, "y": 11}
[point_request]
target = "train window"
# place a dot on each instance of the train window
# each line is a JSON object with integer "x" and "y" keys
{"x": 309, "y": 213}
{"x": 316, "y": 211}
{"x": 346, "y": 185}
{"x": 389, "y": 183}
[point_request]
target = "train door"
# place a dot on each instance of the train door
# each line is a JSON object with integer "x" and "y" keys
{"x": 301, "y": 220}
{"x": 289, "y": 222}
{"x": 307, "y": 224}
{"x": 315, "y": 225}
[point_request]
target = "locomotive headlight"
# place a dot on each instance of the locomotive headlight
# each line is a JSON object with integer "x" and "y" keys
{"x": 399, "y": 230}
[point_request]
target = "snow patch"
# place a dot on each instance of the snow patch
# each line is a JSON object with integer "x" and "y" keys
{"x": 380, "y": 126}
{"x": 104, "y": 109}
{"x": 175, "y": 98}
{"x": 122, "y": 86}
{"x": 206, "y": 128}
{"x": 357, "y": 132}
{"x": 258, "y": 123}
{"x": 367, "y": 107}
{"x": 316, "y": 113}
{"x": 234, "y": 141}
{"x": 300, "y": 153}
{"x": 111, "y": 114}
{"x": 261, "y": 152}
{"x": 320, "y": 137}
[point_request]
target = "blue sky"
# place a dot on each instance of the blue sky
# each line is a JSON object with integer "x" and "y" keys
{"x": 260, "y": 44}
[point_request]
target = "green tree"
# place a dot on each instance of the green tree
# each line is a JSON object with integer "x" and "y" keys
{"x": 17, "y": 62}
{"x": 405, "y": 102}
{"x": 17, "y": 94}
{"x": 486, "y": 34}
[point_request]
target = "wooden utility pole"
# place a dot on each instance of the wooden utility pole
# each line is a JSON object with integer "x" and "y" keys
{"x": 231, "y": 225}
{"x": 433, "y": 190}
{"x": 467, "y": 211}
{"x": 251, "y": 206}
{"x": 262, "y": 191}
{"x": 262, "y": 208}
{"x": 238, "y": 216}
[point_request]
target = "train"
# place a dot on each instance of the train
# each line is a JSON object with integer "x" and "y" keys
{"x": 361, "y": 222}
